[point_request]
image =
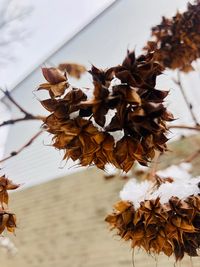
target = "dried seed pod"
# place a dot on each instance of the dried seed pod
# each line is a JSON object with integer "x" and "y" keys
{"x": 73, "y": 69}
{"x": 85, "y": 127}
{"x": 7, "y": 219}
{"x": 176, "y": 41}
{"x": 57, "y": 82}
{"x": 171, "y": 227}
{"x": 6, "y": 184}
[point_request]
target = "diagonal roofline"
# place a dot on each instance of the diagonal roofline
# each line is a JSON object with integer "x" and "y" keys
{"x": 58, "y": 47}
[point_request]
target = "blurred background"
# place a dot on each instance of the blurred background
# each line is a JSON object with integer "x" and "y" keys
{"x": 61, "y": 207}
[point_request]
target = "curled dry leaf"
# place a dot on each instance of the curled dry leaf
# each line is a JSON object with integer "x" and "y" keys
{"x": 73, "y": 69}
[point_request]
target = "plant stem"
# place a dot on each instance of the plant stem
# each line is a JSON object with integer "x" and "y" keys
{"x": 188, "y": 104}
{"x": 15, "y": 153}
{"x": 194, "y": 128}
{"x": 27, "y": 115}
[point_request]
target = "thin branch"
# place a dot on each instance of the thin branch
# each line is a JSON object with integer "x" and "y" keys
{"x": 15, "y": 153}
{"x": 25, "y": 118}
{"x": 27, "y": 115}
{"x": 191, "y": 157}
{"x": 8, "y": 95}
{"x": 153, "y": 170}
{"x": 186, "y": 127}
{"x": 18, "y": 17}
{"x": 188, "y": 104}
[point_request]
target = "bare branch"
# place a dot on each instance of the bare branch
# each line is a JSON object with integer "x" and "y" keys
{"x": 4, "y": 22}
{"x": 13, "y": 27}
{"x": 188, "y": 104}
{"x": 152, "y": 173}
{"x": 30, "y": 141}
{"x": 191, "y": 157}
{"x": 25, "y": 118}
{"x": 194, "y": 128}
{"x": 8, "y": 95}
{"x": 27, "y": 115}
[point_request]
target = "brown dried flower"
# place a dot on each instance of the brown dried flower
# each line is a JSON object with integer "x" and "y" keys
{"x": 124, "y": 101}
{"x": 7, "y": 219}
{"x": 171, "y": 228}
{"x": 177, "y": 40}
{"x": 6, "y": 184}
{"x": 57, "y": 82}
{"x": 73, "y": 69}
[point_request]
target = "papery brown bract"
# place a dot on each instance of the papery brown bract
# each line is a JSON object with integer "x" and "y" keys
{"x": 176, "y": 41}
{"x": 73, "y": 69}
{"x": 171, "y": 228}
{"x": 137, "y": 111}
{"x": 6, "y": 184}
{"x": 7, "y": 221}
{"x": 57, "y": 82}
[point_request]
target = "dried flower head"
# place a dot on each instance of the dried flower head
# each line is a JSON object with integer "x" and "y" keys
{"x": 56, "y": 82}
{"x": 170, "y": 227}
{"x": 7, "y": 219}
{"x": 73, "y": 69}
{"x": 6, "y": 184}
{"x": 177, "y": 40}
{"x": 124, "y": 105}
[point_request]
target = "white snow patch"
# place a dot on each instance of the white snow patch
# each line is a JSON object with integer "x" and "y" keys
{"x": 117, "y": 135}
{"x": 114, "y": 82}
{"x": 89, "y": 92}
{"x": 97, "y": 125}
{"x": 110, "y": 169}
{"x": 182, "y": 187}
{"x": 135, "y": 191}
{"x": 8, "y": 245}
{"x": 74, "y": 115}
{"x": 180, "y": 171}
{"x": 110, "y": 114}
{"x": 179, "y": 188}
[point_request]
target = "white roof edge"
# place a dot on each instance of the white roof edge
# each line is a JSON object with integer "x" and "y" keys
{"x": 64, "y": 42}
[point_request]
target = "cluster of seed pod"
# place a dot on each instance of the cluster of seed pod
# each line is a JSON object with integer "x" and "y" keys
{"x": 7, "y": 219}
{"x": 172, "y": 228}
{"x": 176, "y": 41}
{"x": 124, "y": 102}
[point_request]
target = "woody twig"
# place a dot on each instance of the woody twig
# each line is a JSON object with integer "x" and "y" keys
{"x": 188, "y": 104}
{"x": 27, "y": 116}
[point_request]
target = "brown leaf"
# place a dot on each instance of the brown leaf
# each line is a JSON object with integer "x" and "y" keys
{"x": 49, "y": 104}
{"x": 73, "y": 69}
{"x": 122, "y": 206}
{"x": 53, "y": 75}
